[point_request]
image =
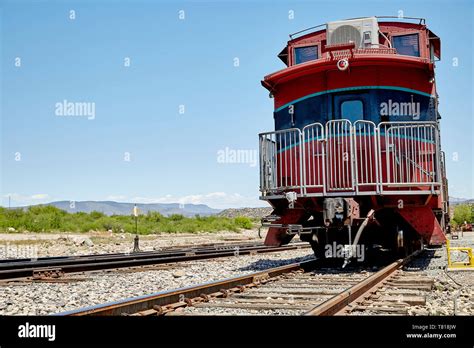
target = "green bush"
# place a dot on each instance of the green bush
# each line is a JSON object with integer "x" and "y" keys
{"x": 462, "y": 213}
{"x": 176, "y": 217}
{"x": 243, "y": 222}
{"x": 51, "y": 219}
{"x": 153, "y": 216}
{"x": 96, "y": 214}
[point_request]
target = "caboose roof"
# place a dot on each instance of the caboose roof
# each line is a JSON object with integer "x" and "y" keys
{"x": 395, "y": 22}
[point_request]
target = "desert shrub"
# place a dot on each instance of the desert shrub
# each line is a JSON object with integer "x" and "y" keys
{"x": 96, "y": 214}
{"x": 49, "y": 219}
{"x": 176, "y": 217}
{"x": 243, "y": 222}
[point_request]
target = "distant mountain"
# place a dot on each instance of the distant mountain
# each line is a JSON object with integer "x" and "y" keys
{"x": 455, "y": 200}
{"x": 254, "y": 213}
{"x": 111, "y": 208}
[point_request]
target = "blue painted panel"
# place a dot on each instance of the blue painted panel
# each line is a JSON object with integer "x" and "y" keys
{"x": 380, "y": 105}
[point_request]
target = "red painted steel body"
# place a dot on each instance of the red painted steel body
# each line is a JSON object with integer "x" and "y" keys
{"x": 377, "y": 170}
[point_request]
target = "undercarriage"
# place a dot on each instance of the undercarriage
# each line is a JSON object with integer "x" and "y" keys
{"x": 357, "y": 228}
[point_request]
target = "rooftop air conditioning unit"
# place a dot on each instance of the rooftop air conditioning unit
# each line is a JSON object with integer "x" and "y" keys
{"x": 364, "y": 32}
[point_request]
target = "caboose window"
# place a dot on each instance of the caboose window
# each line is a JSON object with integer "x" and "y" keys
{"x": 305, "y": 54}
{"x": 352, "y": 110}
{"x": 407, "y": 45}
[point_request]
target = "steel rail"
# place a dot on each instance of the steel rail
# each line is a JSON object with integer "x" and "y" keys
{"x": 170, "y": 249}
{"x": 65, "y": 260}
{"x": 179, "y": 296}
{"x": 21, "y": 270}
{"x": 167, "y": 301}
{"x": 337, "y": 303}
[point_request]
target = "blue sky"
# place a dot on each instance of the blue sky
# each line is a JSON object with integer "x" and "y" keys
{"x": 174, "y": 64}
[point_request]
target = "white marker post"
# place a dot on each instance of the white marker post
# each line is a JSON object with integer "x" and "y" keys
{"x": 136, "y": 248}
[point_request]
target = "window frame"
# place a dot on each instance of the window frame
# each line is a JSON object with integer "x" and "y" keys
{"x": 414, "y": 32}
{"x": 303, "y": 45}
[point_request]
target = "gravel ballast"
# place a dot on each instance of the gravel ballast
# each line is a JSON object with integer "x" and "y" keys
{"x": 453, "y": 292}
{"x": 47, "y": 298}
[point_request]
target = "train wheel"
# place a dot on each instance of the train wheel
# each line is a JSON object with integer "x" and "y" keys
{"x": 407, "y": 243}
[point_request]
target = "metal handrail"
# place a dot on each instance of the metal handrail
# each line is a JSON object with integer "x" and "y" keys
{"x": 280, "y": 163}
{"x": 410, "y": 157}
{"x": 372, "y": 153}
{"x": 320, "y": 166}
{"x": 421, "y": 21}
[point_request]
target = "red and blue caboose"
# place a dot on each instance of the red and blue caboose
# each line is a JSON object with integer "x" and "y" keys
{"x": 355, "y": 156}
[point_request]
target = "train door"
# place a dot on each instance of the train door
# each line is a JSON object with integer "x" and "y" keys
{"x": 340, "y": 171}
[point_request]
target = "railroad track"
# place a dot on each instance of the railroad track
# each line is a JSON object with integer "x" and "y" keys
{"x": 175, "y": 248}
{"x": 171, "y": 249}
{"x": 306, "y": 288}
{"x": 51, "y": 268}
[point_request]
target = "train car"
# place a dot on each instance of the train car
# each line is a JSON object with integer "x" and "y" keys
{"x": 355, "y": 158}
